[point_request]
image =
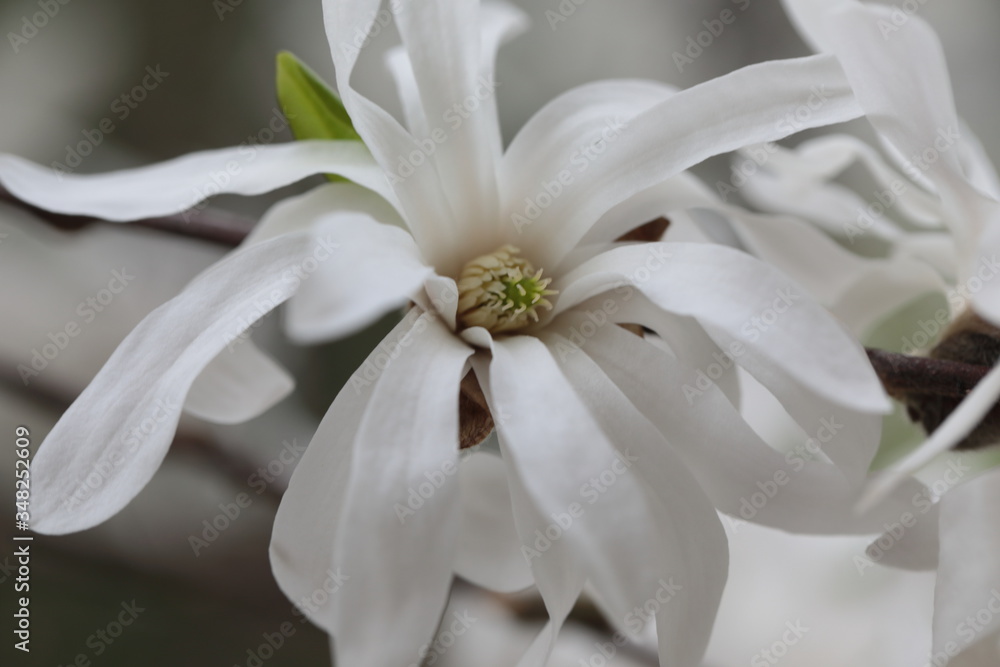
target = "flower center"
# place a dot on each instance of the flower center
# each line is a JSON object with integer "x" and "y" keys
{"x": 501, "y": 292}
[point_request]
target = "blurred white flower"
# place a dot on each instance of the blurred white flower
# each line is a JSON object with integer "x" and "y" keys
{"x": 935, "y": 207}
{"x": 615, "y": 447}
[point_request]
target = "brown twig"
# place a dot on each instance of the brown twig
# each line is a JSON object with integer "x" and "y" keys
{"x": 208, "y": 224}
{"x": 902, "y": 374}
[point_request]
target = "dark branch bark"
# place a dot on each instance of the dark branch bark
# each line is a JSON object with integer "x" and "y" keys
{"x": 207, "y": 224}
{"x": 902, "y": 374}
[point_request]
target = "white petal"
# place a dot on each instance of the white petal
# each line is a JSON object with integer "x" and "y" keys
{"x": 454, "y": 76}
{"x": 112, "y": 439}
{"x": 832, "y": 207}
{"x": 302, "y": 212}
{"x": 902, "y": 83}
{"x": 489, "y": 550}
{"x": 910, "y": 547}
{"x": 397, "y": 564}
{"x": 560, "y": 577}
{"x": 500, "y": 23}
{"x": 361, "y": 269}
{"x": 951, "y": 431}
{"x": 752, "y": 105}
{"x": 904, "y": 87}
{"x": 895, "y": 282}
{"x": 733, "y": 292}
{"x": 799, "y": 181}
{"x": 852, "y": 436}
{"x": 440, "y": 295}
{"x": 397, "y": 60}
{"x": 983, "y": 272}
{"x": 179, "y": 184}
{"x": 860, "y": 291}
{"x": 420, "y": 194}
{"x": 733, "y": 465}
{"x": 310, "y": 510}
{"x": 984, "y": 653}
{"x": 693, "y": 552}
{"x": 936, "y": 249}
{"x": 442, "y": 40}
{"x": 239, "y": 384}
{"x": 401, "y": 567}
{"x": 855, "y": 288}
{"x": 683, "y": 191}
{"x": 979, "y": 168}
{"x": 551, "y": 446}
{"x": 570, "y": 126}
{"x": 969, "y": 572}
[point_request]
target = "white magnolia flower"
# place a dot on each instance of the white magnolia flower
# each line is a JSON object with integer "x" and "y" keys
{"x": 935, "y": 203}
{"x": 615, "y": 447}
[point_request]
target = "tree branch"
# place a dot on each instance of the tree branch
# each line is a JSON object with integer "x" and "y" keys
{"x": 902, "y": 374}
{"x": 209, "y": 224}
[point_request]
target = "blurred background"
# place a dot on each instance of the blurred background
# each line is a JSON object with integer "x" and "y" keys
{"x": 212, "y": 605}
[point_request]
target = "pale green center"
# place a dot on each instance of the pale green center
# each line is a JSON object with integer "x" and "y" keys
{"x": 501, "y": 292}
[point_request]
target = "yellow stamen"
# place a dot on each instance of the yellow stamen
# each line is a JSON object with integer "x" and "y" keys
{"x": 501, "y": 292}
